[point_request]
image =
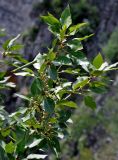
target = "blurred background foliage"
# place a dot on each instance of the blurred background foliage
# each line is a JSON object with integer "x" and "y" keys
{"x": 93, "y": 134}
{"x": 111, "y": 47}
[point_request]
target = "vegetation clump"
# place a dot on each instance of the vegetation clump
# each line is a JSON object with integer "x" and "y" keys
{"x": 32, "y": 130}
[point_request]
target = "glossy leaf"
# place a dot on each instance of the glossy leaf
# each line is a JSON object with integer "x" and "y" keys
{"x": 39, "y": 61}
{"x": 34, "y": 143}
{"x": 98, "y": 61}
{"x": 11, "y": 42}
{"x": 53, "y": 72}
{"x": 66, "y": 17}
{"x": 62, "y": 60}
{"x": 81, "y": 82}
{"x": 22, "y": 97}
{"x": 75, "y": 44}
{"x": 74, "y": 29}
{"x": 55, "y": 145}
{"x": 67, "y": 103}
{"x": 49, "y": 105}
{"x": 54, "y": 24}
{"x": 50, "y": 20}
{"x": 36, "y": 156}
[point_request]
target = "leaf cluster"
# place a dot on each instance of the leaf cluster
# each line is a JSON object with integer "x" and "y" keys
{"x": 31, "y": 131}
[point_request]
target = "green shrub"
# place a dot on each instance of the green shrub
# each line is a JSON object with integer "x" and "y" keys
{"x": 31, "y": 131}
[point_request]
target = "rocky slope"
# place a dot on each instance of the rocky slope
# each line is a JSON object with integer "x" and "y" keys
{"x": 14, "y": 15}
{"x": 17, "y": 16}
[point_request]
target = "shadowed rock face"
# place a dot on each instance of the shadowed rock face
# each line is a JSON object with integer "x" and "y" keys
{"x": 109, "y": 19}
{"x": 108, "y": 10}
{"x": 15, "y": 18}
{"x": 14, "y": 15}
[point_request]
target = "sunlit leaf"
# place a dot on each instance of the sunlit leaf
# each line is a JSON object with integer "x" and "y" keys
{"x": 98, "y": 61}
{"x": 10, "y": 147}
{"x": 36, "y": 156}
{"x": 67, "y": 103}
{"x": 75, "y": 44}
{"x": 74, "y": 29}
{"x": 39, "y": 61}
{"x": 52, "y": 72}
{"x": 80, "y": 82}
{"x": 66, "y": 17}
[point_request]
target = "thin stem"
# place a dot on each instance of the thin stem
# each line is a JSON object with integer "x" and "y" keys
{"x": 68, "y": 96}
{"x": 24, "y": 66}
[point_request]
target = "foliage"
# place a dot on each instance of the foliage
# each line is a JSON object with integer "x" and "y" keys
{"x": 93, "y": 132}
{"x": 30, "y": 132}
{"x": 82, "y": 11}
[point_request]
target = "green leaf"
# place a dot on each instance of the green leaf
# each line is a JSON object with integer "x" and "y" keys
{"x": 111, "y": 67}
{"x": 98, "y": 61}
{"x": 16, "y": 47}
{"x": 5, "y": 132}
{"x": 11, "y": 42}
{"x": 74, "y": 29}
{"x": 49, "y": 105}
{"x": 67, "y": 103}
{"x": 5, "y": 45}
{"x": 66, "y": 17}
{"x": 54, "y": 24}
{"x": 37, "y": 87}
{"x": 78, "y": 55}
{"x": 54, "y": 29}
{"x": 51, "y": 55}
{"x": 63, "y": 33}
{"x": 97, "y": 72}
{"x": 50, "y": 20}
{"x": 39, "y": 61}
{"x": 21, "y": 136}
{"x": 55, "y": 146}
{"x": 84, "y": 63}
{"x": 99, "y": 89}
{"x": 24, "y": 74}
{"x": 2, "y": 74}
{"x": 36, "y": 156}
{"x": 62, "y": 60}
{"x": 103, "y": 66}
{"x": 3, "y": 155}
{"x": 75, "y": 44}
{"x": 64, "y": 115}
{"x": 53, "y": 72}
{"x": 85, "y": 37}
{"x": 89, "y": 101}
{"x": 33, "y": 143}
{"x": 8, "y": 45}
{"x": 22, "y": 97}
{"x": 10, "y": 147}
{"x": 17, "y": 57}
{"x": 81, "y": 82}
